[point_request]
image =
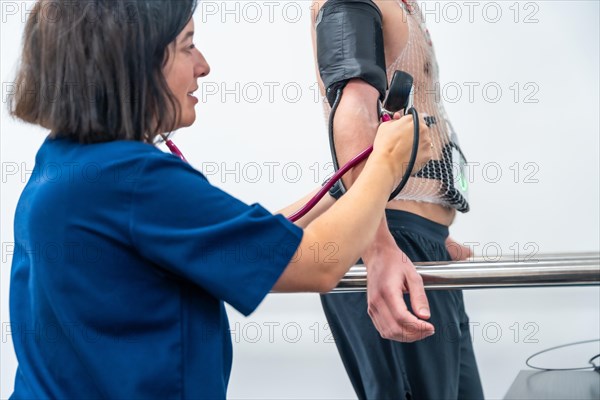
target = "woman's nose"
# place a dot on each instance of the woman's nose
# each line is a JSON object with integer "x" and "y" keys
{"x": 202, "y": 68}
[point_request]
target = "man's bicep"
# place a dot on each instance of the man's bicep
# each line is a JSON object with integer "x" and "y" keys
{"x": 356, "y": 119}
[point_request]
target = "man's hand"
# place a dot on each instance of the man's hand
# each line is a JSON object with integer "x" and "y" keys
{"x": 389, "y": 274}
{"x": 457, "y": 251}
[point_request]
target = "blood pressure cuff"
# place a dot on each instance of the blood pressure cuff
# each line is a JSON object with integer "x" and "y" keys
{"x": 350, "y": 45}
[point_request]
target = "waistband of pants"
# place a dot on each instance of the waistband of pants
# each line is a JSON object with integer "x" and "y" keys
{"x": 406, "y": 221}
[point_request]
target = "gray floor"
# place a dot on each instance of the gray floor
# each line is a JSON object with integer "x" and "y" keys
{"x": 283, "y": 352}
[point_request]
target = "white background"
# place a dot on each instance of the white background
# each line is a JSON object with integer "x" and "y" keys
{"x": 534, "y": 157}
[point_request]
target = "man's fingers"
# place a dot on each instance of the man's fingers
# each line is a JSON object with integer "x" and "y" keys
{"x": 407, "y": 326}
{"x": 395, "y": 322}
{"x": 418, "y": 298}
{"x": 381, "y": 317}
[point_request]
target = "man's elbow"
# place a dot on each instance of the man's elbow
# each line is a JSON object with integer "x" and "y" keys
{"x": 357, "y": 110}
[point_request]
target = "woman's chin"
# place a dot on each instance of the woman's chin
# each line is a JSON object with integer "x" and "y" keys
{"x": 188, "y": 120}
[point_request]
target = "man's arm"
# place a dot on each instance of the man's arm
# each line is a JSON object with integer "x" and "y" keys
{"x": 390, "y": 272}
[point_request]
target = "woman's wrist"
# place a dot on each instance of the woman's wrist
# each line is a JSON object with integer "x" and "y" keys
{"x": 380, "y": 168}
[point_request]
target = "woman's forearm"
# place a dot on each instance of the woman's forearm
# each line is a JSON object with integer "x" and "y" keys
{"x": 322, "y": 206}
{"x": 334, "y": 241}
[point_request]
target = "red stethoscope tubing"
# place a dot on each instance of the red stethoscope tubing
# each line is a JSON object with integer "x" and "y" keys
{"x": 363, "y": 155}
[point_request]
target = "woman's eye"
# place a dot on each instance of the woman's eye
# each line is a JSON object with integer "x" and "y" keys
{"x": 191, "y": 46}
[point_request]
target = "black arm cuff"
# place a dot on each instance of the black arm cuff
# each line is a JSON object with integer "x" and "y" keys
{"x": 350, "y": 45}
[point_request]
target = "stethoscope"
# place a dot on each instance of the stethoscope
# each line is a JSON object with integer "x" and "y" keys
{"x": 400, "y": 97}
{"x": 173, "y": 148}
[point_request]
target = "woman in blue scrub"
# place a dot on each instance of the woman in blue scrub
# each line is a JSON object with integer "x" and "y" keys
{"x": 117, "y": 292}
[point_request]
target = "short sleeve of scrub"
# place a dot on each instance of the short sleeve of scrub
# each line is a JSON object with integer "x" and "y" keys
{"x": 182, "y": 223}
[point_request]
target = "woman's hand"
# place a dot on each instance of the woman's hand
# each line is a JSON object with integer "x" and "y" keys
{"x": 393, "y": 145}
{"x": 351, "y": 223}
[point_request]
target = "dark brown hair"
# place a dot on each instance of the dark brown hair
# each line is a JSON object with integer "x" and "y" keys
{"x": 92, "y": 69}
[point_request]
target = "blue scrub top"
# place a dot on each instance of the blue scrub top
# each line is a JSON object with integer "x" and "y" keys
{"x": 123, "y": 258}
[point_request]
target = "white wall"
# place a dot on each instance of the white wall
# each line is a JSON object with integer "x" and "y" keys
{"x": 544, "y": 143}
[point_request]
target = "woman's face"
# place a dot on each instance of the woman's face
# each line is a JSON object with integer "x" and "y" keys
{"x": 185, "y": 65}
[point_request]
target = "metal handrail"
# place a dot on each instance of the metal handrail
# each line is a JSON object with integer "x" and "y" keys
{"x": 568, "y": 269}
